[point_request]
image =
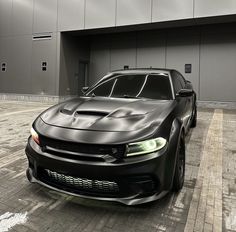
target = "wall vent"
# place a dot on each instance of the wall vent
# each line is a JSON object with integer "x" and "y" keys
{"x": 42, "y": 36}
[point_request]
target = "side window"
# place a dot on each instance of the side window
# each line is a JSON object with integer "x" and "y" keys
{"x": 176, "y": 82}
{"x": 181, "y": 79}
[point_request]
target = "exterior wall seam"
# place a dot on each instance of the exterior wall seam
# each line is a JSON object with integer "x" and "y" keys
{"x": 199, "y": 66}
{"x": 166, "y": 38}
{"x": 85, "y": 3}
{"x": 193, "y": 9}
{"x": 116, "y": 14}
{"x": 151, "y": 10}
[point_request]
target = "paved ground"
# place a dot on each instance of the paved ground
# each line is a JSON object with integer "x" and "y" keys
{"x": 206, "y": 203}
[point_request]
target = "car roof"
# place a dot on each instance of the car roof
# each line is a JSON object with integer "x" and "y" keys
{"x": 136, "y": 71}
{"x": 142, "y": 70}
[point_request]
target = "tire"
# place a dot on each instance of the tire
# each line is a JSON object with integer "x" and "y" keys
{"x": 194, "y": 119}
{"x": 178, "y": 181}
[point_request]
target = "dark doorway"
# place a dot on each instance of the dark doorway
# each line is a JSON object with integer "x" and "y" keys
{"x": 83, "y": 75}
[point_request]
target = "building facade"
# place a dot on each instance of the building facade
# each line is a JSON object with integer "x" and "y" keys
{"x": 54, "y": 47}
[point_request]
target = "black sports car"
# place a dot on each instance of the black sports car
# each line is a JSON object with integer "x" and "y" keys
{"x": 123, "y": 140}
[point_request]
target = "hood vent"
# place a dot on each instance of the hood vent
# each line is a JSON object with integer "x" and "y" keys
{"x": 65, "y": 111}
{"x": 92, "y": 113}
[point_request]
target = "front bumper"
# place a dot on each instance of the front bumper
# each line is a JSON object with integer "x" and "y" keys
{"x": 139, "y": 179}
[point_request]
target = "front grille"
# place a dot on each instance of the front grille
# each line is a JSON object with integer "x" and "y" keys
{"x": 81, "y": 184}
{"x": 116, "y": 151}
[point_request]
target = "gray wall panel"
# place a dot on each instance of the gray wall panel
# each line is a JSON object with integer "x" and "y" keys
{"x": 45, "y": 16}
{"x": 70, "y": 15}
{"x": 99, "y": 58}
{"x": 181, "y": 50}
{"x": 5, "y": 17}
{"x": 20, "y": 64}
{"x": 16, "y": 52}
{"x": 4, "y": 58}
{"x": 123, "y": 51}
{"x": 164, "y": 10}
{"x": 150, "y": 50}
{"x": 22, "y": 17}
{"x": 205, "y": 8}
{"x": 218, "y": 67}
{"x": 133, "y": 12}
{"x": 100, "y": 13}
{"x": 44, "y": 82}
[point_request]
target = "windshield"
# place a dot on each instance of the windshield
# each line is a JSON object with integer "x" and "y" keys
{"x": 154, "y": 86}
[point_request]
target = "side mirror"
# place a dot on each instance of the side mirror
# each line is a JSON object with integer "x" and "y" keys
{"x": 84, "y": 89}
{"x": 185, "y": 93}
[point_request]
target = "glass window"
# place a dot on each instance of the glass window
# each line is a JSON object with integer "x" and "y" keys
{"x": 128, "y": 85}
{"x": 176, "y": 82}
{"x": 104, "y": 89}
{"x": 181, "y": 79}
{"x": 157, "y": 87}
{"x": 154, "y": 86}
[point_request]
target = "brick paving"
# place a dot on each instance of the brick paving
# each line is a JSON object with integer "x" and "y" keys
{"x": 206, "y": 205}
{"x": 30, "y": 207}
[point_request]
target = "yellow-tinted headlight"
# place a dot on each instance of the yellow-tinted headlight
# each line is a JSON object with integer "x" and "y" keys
{"x": 147, "y": 146}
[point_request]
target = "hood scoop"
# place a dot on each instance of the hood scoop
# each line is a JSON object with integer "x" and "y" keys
{"x": 91, "y": 113}
{"x": 67, "y": 112}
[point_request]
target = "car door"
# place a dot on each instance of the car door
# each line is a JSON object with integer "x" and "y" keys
{"x": 182, "y": 101}
{"x": 189, "y": 100}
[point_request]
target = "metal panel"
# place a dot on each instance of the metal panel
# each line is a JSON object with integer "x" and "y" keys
{"x": 16, "y": 52}
{"x": 100, "y": 13}
{"x": 171, "y": 10}
{"x": 133, "y": 12}
{"x": 123, "y": 51}
{"x": 218, "y": 59}
{"x": 22, "y": 17}
{"x": 181, "y": 50}
{"x": 4, "y": 58}
{"x": 5, "y": 17}
{"x": 19, "y": 68}
{"x": 44, "y": 82}
{"x": 45, "y": 16}
{"x": 205, "y": 8}
{"x": 70, "y": 15}
{"x": 99, "y": 58}
{"x": 151, "y": 50}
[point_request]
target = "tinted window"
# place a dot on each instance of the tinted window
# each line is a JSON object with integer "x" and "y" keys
{"x": 129, "y": 85}
{"x": 181, "y": 79}
{"x": 136, "y": 85}
{"x": 104, "y": 89}
{"x": 176, "y": 82}
{"x": 157, "y": 87}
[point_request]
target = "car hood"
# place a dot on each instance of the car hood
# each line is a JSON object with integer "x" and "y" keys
{"x": 108, "y": 114}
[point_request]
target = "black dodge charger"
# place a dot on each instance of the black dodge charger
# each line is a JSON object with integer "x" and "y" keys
{"x": 123, "y": 140}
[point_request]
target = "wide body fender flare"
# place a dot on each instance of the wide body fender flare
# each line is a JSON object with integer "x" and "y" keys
{"x": 175, "y": 135}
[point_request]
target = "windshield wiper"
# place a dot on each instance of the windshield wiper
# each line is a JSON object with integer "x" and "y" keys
{"x": 129, "y": 96}
{"x": 91, "y": 95}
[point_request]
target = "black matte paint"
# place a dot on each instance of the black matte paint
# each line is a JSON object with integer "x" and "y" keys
{"x": 105, "y": 121}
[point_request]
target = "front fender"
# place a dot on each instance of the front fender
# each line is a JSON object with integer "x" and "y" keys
{"x": 174, "y": 138}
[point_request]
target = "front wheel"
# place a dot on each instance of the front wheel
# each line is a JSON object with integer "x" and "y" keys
{"x": 180, "y": 166}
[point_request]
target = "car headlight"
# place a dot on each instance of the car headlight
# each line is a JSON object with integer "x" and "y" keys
{"x": 147, "y": 146}
{"x": 35, "y": 135}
